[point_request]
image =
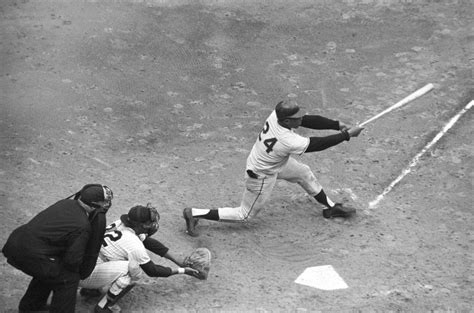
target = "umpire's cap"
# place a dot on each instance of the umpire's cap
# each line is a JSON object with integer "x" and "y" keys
{"x": 95, "y": 193}
{"x": 288, "y": 109}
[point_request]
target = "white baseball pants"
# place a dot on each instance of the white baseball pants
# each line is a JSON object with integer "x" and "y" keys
{"x": 107, "y": 274}
{"x": 258, "y": 191}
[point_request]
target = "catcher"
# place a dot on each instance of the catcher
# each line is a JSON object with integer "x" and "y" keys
{"x": 124, "y": 261}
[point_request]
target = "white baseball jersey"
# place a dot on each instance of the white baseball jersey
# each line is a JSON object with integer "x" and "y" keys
{"x": 274, "y": 146}
{"x": 121, "y": 244}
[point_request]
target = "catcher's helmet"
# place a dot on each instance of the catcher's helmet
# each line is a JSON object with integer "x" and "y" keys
{"x": 142, "y": 219}
{"x": 288, "y": 109}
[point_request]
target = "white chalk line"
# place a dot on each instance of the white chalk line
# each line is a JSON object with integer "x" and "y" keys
{"x": 417, "y": 157}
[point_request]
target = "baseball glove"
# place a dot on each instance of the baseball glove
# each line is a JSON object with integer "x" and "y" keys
{"x": 199, "y": 259}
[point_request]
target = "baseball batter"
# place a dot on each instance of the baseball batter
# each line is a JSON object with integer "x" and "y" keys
{"x": 271, "y": 159}
{"x": 124, "y": 261}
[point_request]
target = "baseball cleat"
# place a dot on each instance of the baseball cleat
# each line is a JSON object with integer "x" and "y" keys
{"x": 191, "y": 222}
{"x": 338, "y": 210}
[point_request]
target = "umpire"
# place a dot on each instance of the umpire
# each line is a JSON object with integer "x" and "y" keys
{"x": 59, "y": 247}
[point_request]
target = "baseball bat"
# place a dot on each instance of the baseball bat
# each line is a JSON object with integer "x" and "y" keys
{"x": 420, "y": 92}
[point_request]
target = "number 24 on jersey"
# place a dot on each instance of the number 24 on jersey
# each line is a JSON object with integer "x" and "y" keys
{"x": 269, "y": 142}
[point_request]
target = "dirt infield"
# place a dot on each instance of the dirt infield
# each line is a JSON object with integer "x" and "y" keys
{"x": 162, "y": 101}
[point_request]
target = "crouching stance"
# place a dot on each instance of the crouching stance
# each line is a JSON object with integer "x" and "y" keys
{"x": 124, "y": 261}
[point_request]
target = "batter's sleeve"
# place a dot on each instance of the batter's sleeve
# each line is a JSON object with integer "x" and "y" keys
{"x": 322, "y": 143}
{"x": 319, "y": 122}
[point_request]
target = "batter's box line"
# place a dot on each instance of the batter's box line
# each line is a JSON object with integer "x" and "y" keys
{"x": 417, "y": 157}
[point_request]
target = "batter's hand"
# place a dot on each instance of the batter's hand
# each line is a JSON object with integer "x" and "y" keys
{"x": 343, "y": 127}
{"x": 355, "y": 131}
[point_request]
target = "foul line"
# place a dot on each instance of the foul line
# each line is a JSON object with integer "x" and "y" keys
{"x": 415, "y": 160}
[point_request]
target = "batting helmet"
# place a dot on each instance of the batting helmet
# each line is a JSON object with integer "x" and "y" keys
{"x": 288, "y": 109}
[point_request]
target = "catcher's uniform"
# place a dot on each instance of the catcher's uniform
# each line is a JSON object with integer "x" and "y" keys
{"x": 269, "y": 160}
{"x": 120, "y": 258}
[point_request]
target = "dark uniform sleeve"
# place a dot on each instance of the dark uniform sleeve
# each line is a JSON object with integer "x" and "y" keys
{"x": 322, "y": 143}
{"x": 155, "y": 270}
{"x": 319, "y": 122}
{"x": 89, "y": 260}
{"x": 155, "y": 246}
{"x": 74, "y": 254}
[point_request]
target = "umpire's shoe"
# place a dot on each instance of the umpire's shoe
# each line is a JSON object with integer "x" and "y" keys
{"x": 191, "y": 222}
{"x": 338, "y": 210}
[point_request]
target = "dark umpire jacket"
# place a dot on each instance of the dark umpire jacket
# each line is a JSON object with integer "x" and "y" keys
{"x": 60, "y": 239}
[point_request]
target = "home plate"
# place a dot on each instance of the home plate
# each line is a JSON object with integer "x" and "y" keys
{"x": 321, "y": 277}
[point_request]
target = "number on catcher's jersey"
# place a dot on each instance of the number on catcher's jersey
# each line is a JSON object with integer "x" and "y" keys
{"x": 111, "y": 226}
{"x": 269, "y": 142}
{"x": 111, "y": 236}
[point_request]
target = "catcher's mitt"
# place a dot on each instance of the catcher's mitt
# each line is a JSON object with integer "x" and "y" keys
{"x": 199, "y": 259}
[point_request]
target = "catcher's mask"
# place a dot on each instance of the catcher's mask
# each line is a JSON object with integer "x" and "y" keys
{"x": 95, "y": 195}
{"x": 142, "y": 219}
